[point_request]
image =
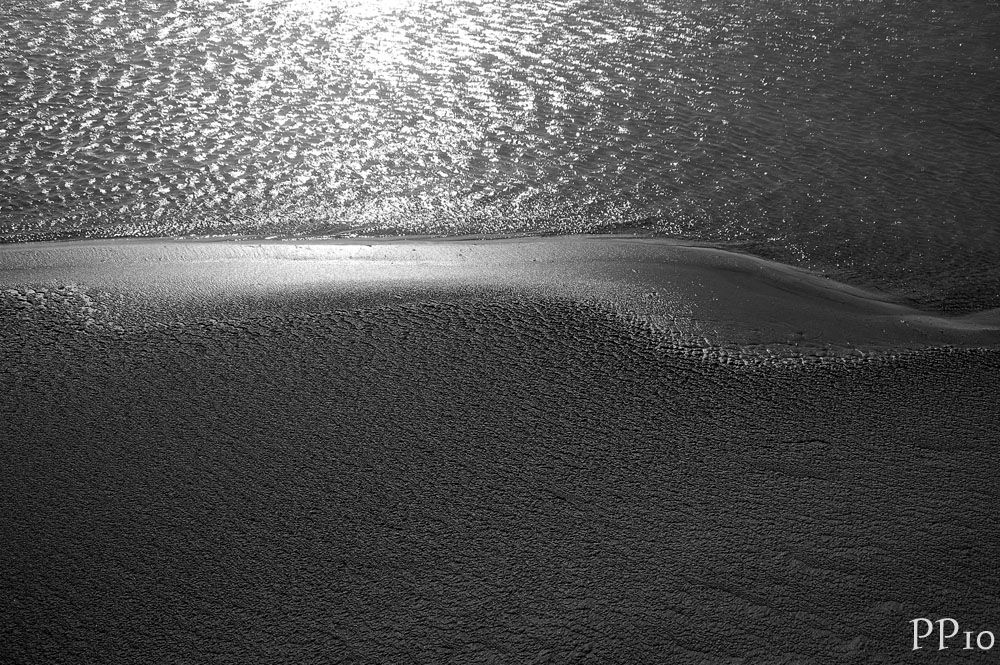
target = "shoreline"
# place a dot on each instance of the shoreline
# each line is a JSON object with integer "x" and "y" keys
{"x": 696, "y": 293}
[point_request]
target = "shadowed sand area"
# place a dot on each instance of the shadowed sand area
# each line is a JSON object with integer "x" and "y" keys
{"x": 537, "y": 450}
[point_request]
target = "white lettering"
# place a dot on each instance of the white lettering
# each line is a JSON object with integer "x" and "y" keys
{"x": 941, "y": 636}
{"x": 916, "y": 633}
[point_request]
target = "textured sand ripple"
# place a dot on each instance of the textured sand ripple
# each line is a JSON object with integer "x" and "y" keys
{"x": 491, "y": 476}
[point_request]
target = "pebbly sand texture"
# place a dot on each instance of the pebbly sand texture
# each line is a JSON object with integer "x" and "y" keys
{"x": 561, "y": 450}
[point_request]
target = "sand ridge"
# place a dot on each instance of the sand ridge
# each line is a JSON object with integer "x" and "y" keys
{"x": 691, "y": 292}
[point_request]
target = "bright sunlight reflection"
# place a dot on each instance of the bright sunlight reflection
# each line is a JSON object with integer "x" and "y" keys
{"x": 353, "y": 7}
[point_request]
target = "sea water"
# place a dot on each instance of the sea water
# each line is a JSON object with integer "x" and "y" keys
{"x": 856, "y": 138}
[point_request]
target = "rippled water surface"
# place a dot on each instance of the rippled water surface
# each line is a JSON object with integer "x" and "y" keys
{"x": 856, "y": 137}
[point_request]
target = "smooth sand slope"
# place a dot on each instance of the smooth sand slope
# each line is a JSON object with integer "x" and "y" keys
{"x": 696, "y": 292}
{"x": 559, "y": 450}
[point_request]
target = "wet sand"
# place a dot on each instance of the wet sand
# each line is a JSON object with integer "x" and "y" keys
{"x": 558, "y": 450}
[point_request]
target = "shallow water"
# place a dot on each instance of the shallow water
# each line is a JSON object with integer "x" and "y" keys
{"x": 855, "y": 138}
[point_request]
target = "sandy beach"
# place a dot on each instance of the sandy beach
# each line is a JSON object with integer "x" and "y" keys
{"x": 525, "y": 450}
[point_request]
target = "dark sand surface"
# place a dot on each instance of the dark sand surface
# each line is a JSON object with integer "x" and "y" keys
{"x": 540, "y": 451}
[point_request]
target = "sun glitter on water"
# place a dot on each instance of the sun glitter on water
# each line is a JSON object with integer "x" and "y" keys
{"x": 351, "y": 7}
